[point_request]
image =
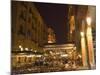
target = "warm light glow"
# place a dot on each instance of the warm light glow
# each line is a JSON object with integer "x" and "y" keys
{"x": 21, "y": 49}
{"x": 31, "y": 49}
{"x": 88, "y": 21}
{"x": 50, "y": 52}
{"x": 64, "y": 55}
{"x": 35, "y": 51}
{"x": 20, "y": 46}
{"x": 83, "y": 47}
{"x": 82, "y": 34}
{"x": 70, "y": 52}
{"x": 38, "y": 55}
{"x": 50, "y": 42}
{"x": 57, "y": 53}
{"x": 90, "y": 47}
{"x": 26, "y": 49}
{"x": 30, "y": 55}
{"x": 79, "y": 55}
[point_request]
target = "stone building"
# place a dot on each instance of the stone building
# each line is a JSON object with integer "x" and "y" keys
{"x": 28, "y": 27}
{"x": 29, "y": 33}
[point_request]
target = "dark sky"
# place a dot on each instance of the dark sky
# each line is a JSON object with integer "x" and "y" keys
{"x": 55, "y": 16}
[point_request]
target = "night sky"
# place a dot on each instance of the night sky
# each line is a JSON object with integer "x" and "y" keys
{"x": 55, "y": 16}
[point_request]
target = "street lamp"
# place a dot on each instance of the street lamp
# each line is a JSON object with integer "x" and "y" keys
{"x": 90, "y": 42}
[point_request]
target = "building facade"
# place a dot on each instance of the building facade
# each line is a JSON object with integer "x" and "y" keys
{"x": 28, "y": 27}
{"x": 29, "y": 33}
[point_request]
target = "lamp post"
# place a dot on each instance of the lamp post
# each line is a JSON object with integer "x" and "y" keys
{"x": 83, "y": 47}
{"x": 90, "y": 43}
